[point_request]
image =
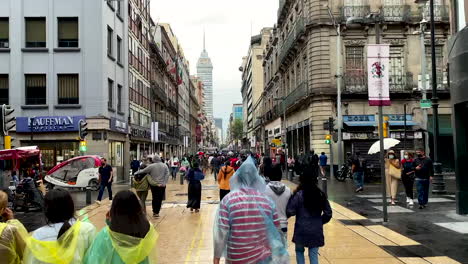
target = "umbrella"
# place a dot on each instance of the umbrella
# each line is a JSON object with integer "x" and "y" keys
{"x": 200, "y": 153}
{"x": 388, "y": 143}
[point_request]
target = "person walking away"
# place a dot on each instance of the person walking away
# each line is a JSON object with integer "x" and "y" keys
{"x": 313, "y": 160}
{"x": 106, "y": 176}
{"x": 265, "y": 169}
{"x": 247, "y": 227}
{"x": 64, "y": 239}
{"x": 215, "y": 164}
{"x": 323, "y": 164}
{"x": 407, "y": 177}
{"x": 283, "y": 161}
{"x": 13, "y": 235}
{"x": 279, "y": 193}
{"x": 204, "y": 164}
{"x": 424, "y": 171}
{"x": 128, "y": 237}
{"x": 158, "y": 178}
{"x": 392, "y": 175}
{"x": 224, "y": 176}
{"x": 174, "y": 163}
{"x": 185, "y": 163}
{"x": 357, "y": 168}
{"x": 141, "y": 185}
{"x": 312, "y": 210}
{"x": 290, "y": 162}
{"x": 194, "y": 177}
{"x": 134, "y": 165}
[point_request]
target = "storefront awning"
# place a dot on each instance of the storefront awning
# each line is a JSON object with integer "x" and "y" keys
{"x": 361, "y": 124}
{"x": 402, "y": 123}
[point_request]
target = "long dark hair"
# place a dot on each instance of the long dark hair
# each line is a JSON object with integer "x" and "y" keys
{"x": 127, "y": 216}
{"x": 59, "y": 207}
{"x": 314, "y": 198}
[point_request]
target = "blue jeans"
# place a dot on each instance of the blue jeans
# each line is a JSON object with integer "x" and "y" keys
{"x": 422, "y": 185}
{"x": 359, "y": 179}
{"x": 101, "y": 190}
{"x": 313, "y": 255}
{"x": 174, "y": 171}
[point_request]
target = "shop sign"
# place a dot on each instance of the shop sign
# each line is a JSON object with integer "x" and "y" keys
{"x": 378, "y": 71}
{"x": 359, "y": 118}
{"x": 399, "y": 117}
{"x": 137, "y": 132}
{"x": 42, "y": 124}
{"x": 119, "y": 125}
{"x": 276, "y": 141}
{"x": 359, "y": 136}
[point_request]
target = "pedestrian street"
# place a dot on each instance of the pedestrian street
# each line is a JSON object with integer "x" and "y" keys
{"x": 186, "y": 237}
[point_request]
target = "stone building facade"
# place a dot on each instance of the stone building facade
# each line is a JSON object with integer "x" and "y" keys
{"x": 300, "y": 66}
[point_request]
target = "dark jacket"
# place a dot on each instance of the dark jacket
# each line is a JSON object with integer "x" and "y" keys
{"x": 308, "y": 229}
{"x": 195, "y": 175}
{"x": 427, "y": 168}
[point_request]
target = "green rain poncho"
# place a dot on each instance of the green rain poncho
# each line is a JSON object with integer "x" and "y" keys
{"x": 111, "y": 247}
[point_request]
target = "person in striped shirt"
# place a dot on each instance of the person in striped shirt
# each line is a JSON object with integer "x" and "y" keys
{"x": 247, "y": 228}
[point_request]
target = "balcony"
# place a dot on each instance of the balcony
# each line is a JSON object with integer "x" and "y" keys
{"x": 396, "y": 13}
{"x": 300, "y": 93}
{"x": 297, "y": 32}
{"x": 159, "y": 92}
{"x": 172, "y": 107}
{"x": 401, "y": 83}
{"x": 355, "y": 81}
{"x": 355, "y": 11}
{"x": 282, "y": 10}
{"x": 441, "y": 13}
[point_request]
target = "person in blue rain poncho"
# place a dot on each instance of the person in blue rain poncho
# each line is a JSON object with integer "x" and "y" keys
{"x": 247, "y": 229}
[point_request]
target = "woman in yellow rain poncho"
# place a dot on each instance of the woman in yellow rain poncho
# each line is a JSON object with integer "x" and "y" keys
{"x": 12, "y": 234}
{"x": 129, "y": 237}
{"x": 64, "y": 240}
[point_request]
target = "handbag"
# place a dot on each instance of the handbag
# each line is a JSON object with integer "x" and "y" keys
{"x": 394, "y": 172}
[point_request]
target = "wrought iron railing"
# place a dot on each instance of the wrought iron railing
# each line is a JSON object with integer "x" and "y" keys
{"x": 301, "y": 92}
{"x": 401, "y": 82}
{"x": 355, "y": 11}
{"x": 297, "y": 31}
{"x": 441, "y": 13}
{"x": 159, "y": 92}
{"x": 396, "y": 13}
{"x": 442, "y": 83}
{"x": 355, "y": 81}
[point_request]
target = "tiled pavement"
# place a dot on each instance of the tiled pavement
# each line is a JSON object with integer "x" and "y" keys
{"x": 186, "y": 237}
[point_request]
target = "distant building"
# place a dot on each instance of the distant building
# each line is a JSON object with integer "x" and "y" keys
{"x": 237, "y": 111}
{"x": 205, "y": 73}
{"x": 219, "y": 127}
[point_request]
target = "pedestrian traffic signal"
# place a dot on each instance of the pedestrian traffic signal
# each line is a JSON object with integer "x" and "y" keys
{"x": 8, "y": 121}
{"x": 328, "y": 139}
{"x": 83, "y": 129}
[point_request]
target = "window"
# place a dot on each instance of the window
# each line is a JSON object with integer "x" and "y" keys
{"x": 355, "y": 78}
{"x": 3, "y": 89}
{"x": 397, "y": 68}
{"x": 119, "y": 49}
{"x": 4, "y": 32}
{"x": 119, "y": 98}
{"x": 35, "y": 32}
{"x": 68, "y": 89}
{"x": 35, "y": 89}
{"x": 110, "y": 36}
{"x": 110, "y": 88}
{"x": 440, "y": 67}
{"x": 119, "y": 8}
{"x": 67, "y": 32}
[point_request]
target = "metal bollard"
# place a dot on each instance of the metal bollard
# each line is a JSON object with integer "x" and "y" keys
{"x": 182, "y": 175}
{"x": 88, "y": 195}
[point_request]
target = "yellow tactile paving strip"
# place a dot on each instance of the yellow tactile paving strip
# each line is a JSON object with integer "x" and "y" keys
{"x": 187, "y": 237}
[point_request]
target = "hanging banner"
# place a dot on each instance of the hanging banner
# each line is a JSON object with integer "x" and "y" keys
{"x": 155, "y": 132}
{"x": 378, "y": 71}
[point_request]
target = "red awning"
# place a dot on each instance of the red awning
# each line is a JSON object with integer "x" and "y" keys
{"x": 19, "y": 153}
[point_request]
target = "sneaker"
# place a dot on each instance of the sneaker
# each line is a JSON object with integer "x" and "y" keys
{"x": 98, "y": 202}
{"x": 407, "y": 199}
{"x": 360, "y": 189}
{"x": 155, "y": 215}
{"x": 411, "y": 202}
{"x": 421, "y": 207}
{"x": 197, "y": 210}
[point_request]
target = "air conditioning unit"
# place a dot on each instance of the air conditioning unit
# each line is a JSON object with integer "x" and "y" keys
{"x": 4, "y": 45}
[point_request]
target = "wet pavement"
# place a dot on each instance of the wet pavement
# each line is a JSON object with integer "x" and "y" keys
{"x": 353, "y": 236}
{"x": 438, "y": 229}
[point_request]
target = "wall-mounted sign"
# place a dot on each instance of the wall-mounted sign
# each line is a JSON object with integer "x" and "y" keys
{"x": 42, "y": 124}
{"x": 119, "y": 125}
{"x": 139, "y": 132}
{"x": 358, "y": 118}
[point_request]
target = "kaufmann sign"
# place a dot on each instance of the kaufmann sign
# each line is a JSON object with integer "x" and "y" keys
{"x": 48, "y": 124}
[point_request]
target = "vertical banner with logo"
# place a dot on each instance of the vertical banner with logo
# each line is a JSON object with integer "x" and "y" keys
{"x": 378, "y": 71}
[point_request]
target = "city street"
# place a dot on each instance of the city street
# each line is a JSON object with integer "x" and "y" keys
{"x": 353, "y": 236}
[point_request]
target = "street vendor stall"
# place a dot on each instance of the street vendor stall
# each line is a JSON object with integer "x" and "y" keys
{"x": 18, "y": 161}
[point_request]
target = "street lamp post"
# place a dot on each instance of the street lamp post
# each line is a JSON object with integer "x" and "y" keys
{"x": 339, "y": 77}
{"x": 438, "y": 181}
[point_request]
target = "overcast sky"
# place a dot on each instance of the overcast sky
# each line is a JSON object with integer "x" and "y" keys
{"x": 229, "y": 26}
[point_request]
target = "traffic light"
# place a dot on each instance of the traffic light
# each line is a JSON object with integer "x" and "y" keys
{"x": 83, "y": 129}
{"x": 83, "y": 146}
{"x": 8, "y": 121}
{"x": 328, "y": 139}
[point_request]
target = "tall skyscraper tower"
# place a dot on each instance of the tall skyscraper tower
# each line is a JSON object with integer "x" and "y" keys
{"x": 205, "y": 73}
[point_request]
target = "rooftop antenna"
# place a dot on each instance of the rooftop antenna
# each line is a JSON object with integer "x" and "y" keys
{"x": 204, "y": 49}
